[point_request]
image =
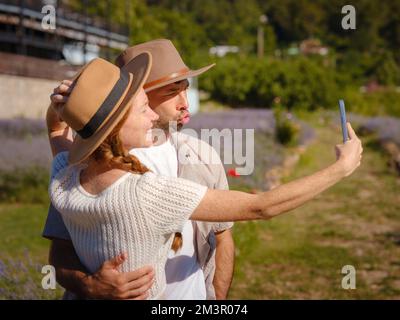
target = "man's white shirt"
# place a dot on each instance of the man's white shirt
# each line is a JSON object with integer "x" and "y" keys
{"x": 185, "y": 279}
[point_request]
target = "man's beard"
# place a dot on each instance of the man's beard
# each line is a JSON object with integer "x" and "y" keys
{"x": 165, "y": 124}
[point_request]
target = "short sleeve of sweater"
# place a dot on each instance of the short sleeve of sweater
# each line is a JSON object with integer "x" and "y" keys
{"x": 60, "y": 162}
{"x": 168, "y": 202}
{"x": 55, "y": 227}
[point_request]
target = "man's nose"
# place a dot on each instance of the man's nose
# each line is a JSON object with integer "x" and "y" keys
{"x": 183, "y": 101}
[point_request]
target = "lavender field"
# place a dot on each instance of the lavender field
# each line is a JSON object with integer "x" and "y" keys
{"x": 26, "y": 149}
{"x": 384, "y": 131}
{"x": 287, "y": 245}
{"x": 24, "y": 144}
{"x": 268, "y": 153}
{"x": 25, "y": 159}
{"x": 385, "y": 128}
{"x": 20, "y": 279}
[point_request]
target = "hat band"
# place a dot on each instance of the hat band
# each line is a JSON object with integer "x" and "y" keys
{"x": 166, "y": 78}
{"x": 106, "y": 107}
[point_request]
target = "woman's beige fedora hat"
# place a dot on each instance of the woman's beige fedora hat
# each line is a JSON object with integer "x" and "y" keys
{"x": 100, "y": 97}
{"x": 168, "y": 66}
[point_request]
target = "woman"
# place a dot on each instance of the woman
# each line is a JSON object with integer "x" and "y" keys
{"x": 111, "y": 203}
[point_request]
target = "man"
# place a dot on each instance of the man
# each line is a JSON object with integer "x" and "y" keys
{"x": 203, "y": 267}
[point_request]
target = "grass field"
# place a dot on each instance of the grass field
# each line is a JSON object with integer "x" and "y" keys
{"x": 23, "y": 252}
{"x": 296, "y": 256}
{"x": 300, "y": 255}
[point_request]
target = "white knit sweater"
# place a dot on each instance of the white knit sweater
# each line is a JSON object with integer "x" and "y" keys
{"x": 137, "y": 214}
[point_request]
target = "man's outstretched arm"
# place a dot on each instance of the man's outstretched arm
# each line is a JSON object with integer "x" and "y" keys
{"x": 107, "y": 283}
{"x": 224, "y": 263}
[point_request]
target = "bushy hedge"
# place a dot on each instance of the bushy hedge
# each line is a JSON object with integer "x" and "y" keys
{"x": 294, "y": 83}
{"x": 383, "y": 102}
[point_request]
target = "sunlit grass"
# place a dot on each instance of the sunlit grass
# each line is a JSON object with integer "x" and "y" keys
{"x": 300, "y": 255}
{"x": 23, "y": 252}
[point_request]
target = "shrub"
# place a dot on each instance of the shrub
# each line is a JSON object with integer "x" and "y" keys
{"x": 287, "y": 132}
{"x": 384, "y": 102}
{"x": 299, "y": 83}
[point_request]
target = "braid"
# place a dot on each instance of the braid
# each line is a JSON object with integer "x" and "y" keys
{"x": 115, "y": 155}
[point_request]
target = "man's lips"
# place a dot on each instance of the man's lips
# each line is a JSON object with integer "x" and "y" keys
{"x": 185, "y": 118}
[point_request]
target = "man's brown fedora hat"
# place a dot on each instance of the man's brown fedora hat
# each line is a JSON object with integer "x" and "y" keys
{"x": 101, "y": 95}
{"x": 168, "y": 66}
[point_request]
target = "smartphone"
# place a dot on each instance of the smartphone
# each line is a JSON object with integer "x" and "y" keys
{"x": 343, "y": 120}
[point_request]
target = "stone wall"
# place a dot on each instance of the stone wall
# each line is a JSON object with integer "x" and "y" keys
{"x": 23, "y": 96}
{"x": 27, "y": 82}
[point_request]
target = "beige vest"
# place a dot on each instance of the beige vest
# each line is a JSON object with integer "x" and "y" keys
{"x": 200, "y": 163}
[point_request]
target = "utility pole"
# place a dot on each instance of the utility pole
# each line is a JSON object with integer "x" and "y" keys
{"x": 260, "y": 36}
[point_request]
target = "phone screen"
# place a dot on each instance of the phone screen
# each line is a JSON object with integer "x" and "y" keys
{"x": 343, "y": 120}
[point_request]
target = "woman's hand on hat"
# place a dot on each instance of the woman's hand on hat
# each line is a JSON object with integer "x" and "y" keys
{"x": 60, "y": 94}
{"x": 58, "y": 98}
